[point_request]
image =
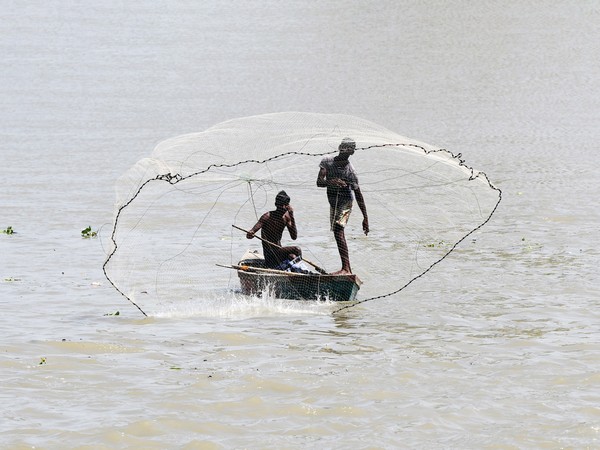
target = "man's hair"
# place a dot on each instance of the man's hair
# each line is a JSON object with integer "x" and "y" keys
{"x": 347, "y": 143}
{"x": 282, "y": 199}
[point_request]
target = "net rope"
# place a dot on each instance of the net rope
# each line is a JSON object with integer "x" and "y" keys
{"x": 175, "y": 210}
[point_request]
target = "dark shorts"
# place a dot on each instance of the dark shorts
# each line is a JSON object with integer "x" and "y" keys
{"x": 274, "y": 256}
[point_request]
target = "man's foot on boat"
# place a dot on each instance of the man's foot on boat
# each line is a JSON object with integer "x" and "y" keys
{"x": 341, "y": 272}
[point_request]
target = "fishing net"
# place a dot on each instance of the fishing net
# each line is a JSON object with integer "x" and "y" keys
{"x": 173, "y": 234}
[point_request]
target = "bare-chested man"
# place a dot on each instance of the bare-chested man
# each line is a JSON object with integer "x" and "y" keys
{"x": 339, "y": 177}
{"x": 272, "y": 224}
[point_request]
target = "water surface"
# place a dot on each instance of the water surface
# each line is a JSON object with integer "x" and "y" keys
{"x": 495, "y": 348}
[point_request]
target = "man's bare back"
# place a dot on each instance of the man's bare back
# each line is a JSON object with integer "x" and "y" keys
{"x": 272, "y": 224}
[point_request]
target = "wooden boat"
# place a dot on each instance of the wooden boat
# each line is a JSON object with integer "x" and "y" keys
{"x": 255, "y": 278}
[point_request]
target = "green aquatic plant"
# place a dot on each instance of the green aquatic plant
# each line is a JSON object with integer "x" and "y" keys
{"x": 8, "y": 230}
{"x": 42, "y": 361}
{"x": 116, "y": 313}
{"x": 88, "y": 233}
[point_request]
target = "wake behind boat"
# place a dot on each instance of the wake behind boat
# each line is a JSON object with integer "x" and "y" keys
{"x": 305, "y": 285}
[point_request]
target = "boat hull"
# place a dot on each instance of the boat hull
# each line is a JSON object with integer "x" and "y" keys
{"x": 255, "y": 279}
{"x": 337, "y": 288}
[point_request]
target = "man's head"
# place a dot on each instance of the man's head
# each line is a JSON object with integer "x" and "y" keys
{"x": 282, "y": 199}
{"x": 347, "y": 146}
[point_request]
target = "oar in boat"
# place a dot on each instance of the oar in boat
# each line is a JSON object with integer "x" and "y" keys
{"x": 319, "y": 269}
{"x": 261, "y": 270}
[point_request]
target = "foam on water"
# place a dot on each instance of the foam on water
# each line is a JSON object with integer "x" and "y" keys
{"x": 233, "y": 305}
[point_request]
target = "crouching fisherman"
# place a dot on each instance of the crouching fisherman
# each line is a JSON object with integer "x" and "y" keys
{"x": 272, "y": 224}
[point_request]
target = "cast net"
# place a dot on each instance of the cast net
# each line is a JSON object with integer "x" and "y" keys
{"x": 175, "y": 209}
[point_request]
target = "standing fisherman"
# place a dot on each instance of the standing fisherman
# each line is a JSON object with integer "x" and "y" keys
{"x": 339, "y": 177}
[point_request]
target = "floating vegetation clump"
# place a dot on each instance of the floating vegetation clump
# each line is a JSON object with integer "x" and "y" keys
{"x": 88, "y": 233}
{"x": 8, "y": 230}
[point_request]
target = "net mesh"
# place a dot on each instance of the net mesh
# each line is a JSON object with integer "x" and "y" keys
{"x": 175, "y": 210}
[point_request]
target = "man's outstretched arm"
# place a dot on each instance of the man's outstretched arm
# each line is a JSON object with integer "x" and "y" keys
{"x": 257, "y": 226}
{"x": 363, "y": 208}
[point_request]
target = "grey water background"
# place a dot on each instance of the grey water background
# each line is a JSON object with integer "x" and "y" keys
{"x": 495, "y": 348}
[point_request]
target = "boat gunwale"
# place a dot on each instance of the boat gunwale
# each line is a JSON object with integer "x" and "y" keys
{"x": 352, "y": 278}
